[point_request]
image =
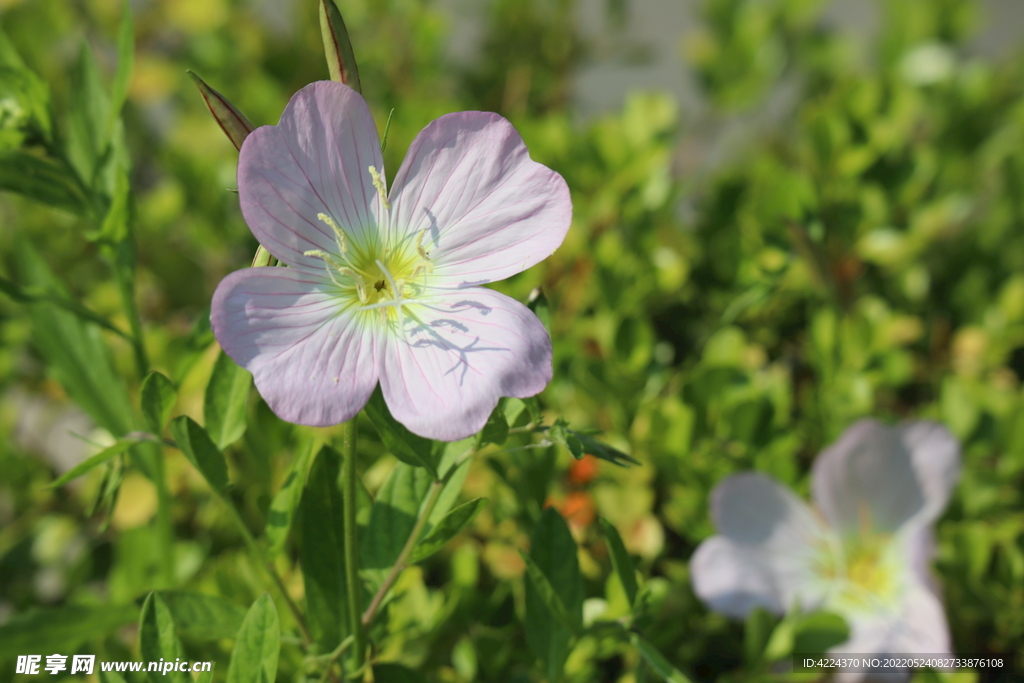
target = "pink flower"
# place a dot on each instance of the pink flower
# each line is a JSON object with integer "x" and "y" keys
{"x": 864, "y": 552}
{"x": 386, "y": 287}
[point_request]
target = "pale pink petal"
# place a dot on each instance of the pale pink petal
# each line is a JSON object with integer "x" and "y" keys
{"x": 866, "y": 481}
{"x": 755, "y": 512}
{"x": 488, "y": 210}
{"x": 732, "y": 579}
{"x": 312, "y": 364}
{"x": 316, "y": 160}
{"x": 935, "y": 457}
{"x": 457, "y": 356}
{"x": 917, "y": 626}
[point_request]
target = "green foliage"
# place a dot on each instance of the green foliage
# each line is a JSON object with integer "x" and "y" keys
{"x": 720, "y": 304}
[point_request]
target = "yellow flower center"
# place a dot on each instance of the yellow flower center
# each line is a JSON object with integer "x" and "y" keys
{"x": 864, "y": 571}
{"x": 374, "y": 278}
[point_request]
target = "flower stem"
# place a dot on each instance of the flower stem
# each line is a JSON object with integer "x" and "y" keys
{"x": 350, "y": 507}
{"x": 268, "y": 568}
{"x": 402, "y": 562}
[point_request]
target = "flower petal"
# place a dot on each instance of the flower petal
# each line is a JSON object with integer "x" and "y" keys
{"x": 732, "y": 579}
{"x": 935, "y": 456}
{"x": 777, "y": 531}
{"x": 866, "y": 481}
{"x": 458, "y": 355}
{"x": 917, "y": 626}
{"x": 316, "y": 160}
{"x": 312, "y": 364}
{"x": 489, "y": 210}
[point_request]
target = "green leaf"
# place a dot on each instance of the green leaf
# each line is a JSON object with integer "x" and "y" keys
{"x": 88, "y": 117}
{"x": 286, "y": 500}
{"x": 447, "y": 529}
{"x": 110, "y": 677}
{"x": 206, "y": 676}
{"x": 756, "y": 632}
{"x": 231, "y": 121}
{"x": 538, "y": 303}
{"x": 106, "y": 454}
{"x": 115, "y": 226}
{"x": 583, "y": 443}
{"x": 45, "y": 180}
{"x": 254, "y": 659}
{"x": 396, "y": 673}
{"x": 496, "y": 429}
{"x": 125, "y": 62}
{"x": 816, "y": 632}
{"x": 322, "y": 536}
{"x": 74, "y": 350}
{"x": 225, "y": 403}
{"x": 408, "y": 447}
{"x": 60, "y": 629}
{"x": 203, "y": 617}
{"x": 197, "y": 446}
{"x": 622, "y": 563}
{"x": 393, "y": 516}
{"x": 661, "y": 666}
{"x": 341, "y": 61}
{"x": 158, "y": 397}
{"x": 159, "y": 640}
{"x": 554, "y": 592}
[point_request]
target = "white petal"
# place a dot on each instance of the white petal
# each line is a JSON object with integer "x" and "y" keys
{"x": 316, "y": 160}
{"x": 458, "y": 356}
{"x": 935, "y": 456}
{"x": 488, "y": 210}
{"x": 733, "y": 579}
{"x": 312, "y": 365}
{"x": 866, "y": 481}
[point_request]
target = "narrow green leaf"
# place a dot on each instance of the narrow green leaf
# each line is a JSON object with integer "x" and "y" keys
{"x": 206, "y": 676}
{"x": 88, "y": 116}
{"x": 158, "y": 397}
{"x": 583, "y": 443}
{"x": 231, "y": 121}
{"x": 622, "y": 563}
{"x": 202, "y": 617}
{"x": 115, "y": 226}
{"x": 322, "y": 536}
{"x": 447, "y": 529}
{"x": 125, "y": 62}
{"x": 393, "y": 516}
{"x": 115, "y": 449}
{"x": 159, "y": 640}
{"x": 400, "y": 442}
{"x": 225, "y": 405}
{"x": 74, "y": 350}
{"x": 110, "y": 677}
{"x": 254, "y": 659}
{"x": 661, "y": 666}
{"x": 341, "y": 60}
{"x": 42, "y": 179}
{"x": 61, "y": 629}
{"x": 554, "y": 592}
{"x": 197, "y": 446}
{"x": 286, "y": 500}
{"x": 43, "y": 297}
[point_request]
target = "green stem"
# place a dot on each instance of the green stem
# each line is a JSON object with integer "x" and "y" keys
{"x": 403, "y": 557}
{"x": 268, "y": 568}
{"x": 165, "y": 528}
{"x": 350, "y": 483}
{"x": 124, "y": 266}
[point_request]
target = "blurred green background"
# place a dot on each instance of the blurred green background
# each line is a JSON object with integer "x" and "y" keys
{"x": 859, "y": 252}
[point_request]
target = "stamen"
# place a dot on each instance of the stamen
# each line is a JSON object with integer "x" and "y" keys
{"x": 419, "y": 244}
{"x": 378, "y": 183}
{"x": 339, "y": 234}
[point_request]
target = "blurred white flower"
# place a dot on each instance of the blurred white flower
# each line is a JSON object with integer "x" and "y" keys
{"x": 863, "y": 553}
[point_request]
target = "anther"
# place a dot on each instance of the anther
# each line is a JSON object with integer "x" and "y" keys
{"x": 339, "y": 234}
{"x": 378, "y": 183}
